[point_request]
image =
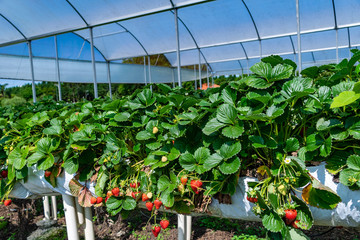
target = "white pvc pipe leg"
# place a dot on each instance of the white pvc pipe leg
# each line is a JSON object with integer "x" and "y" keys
{"x": 54, "y": 207}
{"x": 46, "y": 204}
{"x": 80, "y": 212}
{"x": 70, "y": 217}
{"x": 188, "y": 220}
{"x": 181, "y": 227}
{"x": 89, "y": 228}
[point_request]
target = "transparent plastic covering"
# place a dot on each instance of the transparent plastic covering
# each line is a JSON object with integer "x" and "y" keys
{"x": 230, "y": 35}
{"x": 80, "y": 71}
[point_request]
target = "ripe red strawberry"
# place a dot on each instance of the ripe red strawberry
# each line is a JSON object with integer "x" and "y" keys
{"x": 132, "y": 185}
{"x": 134, "y": 194}
{"x": 47, "y": 173}
{"x": 164, "y": 223}
{"x": 99, "y": 200}
{"x": 137, "y": 184}
{"x": 149, "y": 206}
{"x": 107, "y": 198}
{"x": 157, "y": 203}
{"x": 184, "y": 180}
{"x": 290, "y": 215}
{"x": 196, "y": 185}
{"x": 93, "y": 200}
{"x": 251, "y": 199}
{"x": 7, "y": 202}
{"x": 156, "y": 230}
{"x": 4, "y": 173}
{"x": 115, "y": 191}
{"x": 144, "y": 197}
{"x": 294, "y": 224}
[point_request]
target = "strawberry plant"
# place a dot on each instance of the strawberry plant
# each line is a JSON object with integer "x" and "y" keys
{"x": 176, "y": 148}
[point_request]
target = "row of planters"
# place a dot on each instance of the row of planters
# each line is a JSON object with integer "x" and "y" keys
{"x": 177, "y": 149}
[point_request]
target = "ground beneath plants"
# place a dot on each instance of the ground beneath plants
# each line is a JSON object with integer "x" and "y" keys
{"x": 22, "y": 215}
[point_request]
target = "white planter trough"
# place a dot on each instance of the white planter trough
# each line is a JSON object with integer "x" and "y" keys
{"x": 346, "y": 214}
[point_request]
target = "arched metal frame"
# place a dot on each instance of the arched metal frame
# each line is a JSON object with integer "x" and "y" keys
{"x": 198, "y": 47}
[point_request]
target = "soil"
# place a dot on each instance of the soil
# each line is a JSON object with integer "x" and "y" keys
{"x": 23, "y": 214}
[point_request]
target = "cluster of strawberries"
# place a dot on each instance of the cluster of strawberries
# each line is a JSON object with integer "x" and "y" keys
{"x": 4, "y": 174}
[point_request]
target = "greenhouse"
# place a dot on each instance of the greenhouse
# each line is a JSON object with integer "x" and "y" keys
{"x": 241, "y": 109}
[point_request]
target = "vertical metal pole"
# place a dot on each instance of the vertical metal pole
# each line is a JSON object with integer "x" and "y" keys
{"x": 207, "y": 77}
{"x": 70, "y": 217}
{"x": 93, "y": 62}
{"x": 200, "y": 78}
{"x": 260, "y": 49}
{"x": 349, "y": 39}
{"x": 89, "y": 227}
{"x": 298, "y": 34}
{"x": 188, "y": 222}
{"x": 149, "y": 64}
{"x": 173, "y": 77}
{"x": 337, "y": 46}
{"x": 57, "y": 68}
{"x": 109, "y": 78}
{"x": 181, "y": 227}
{"x": 212, "y": 79}
{"x": 195, "y": 77}
{"x": 80, "y": 212}
{"x": 247, "y": 65}
{"x": 145, "y": 74}
{"x": 177, "y": 46}
{"x": 54, "y": 207}
{"x": 32, "y": 71}
{"x": 46, "y": 204}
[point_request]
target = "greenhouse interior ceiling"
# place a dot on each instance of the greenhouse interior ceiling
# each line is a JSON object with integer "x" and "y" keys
{"x": 224, "y": 36}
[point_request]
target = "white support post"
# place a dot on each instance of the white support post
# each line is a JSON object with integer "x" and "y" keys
{"x": 58, "y": 68}
{"x": 93, "y": 62}
{"x": 149, "y": 64}
{"x": 200, "y": 78}
{"x": 109, "y": 78}
{"x": 173, "y": 77}
{"x": 177, "y": 47}
{"x": 260, "y": 49}
{"x": 212, "y": 79}
{"x": 32, "y": 71}
{"x": 207, "y": 77}
{"x": 195, "y": 77}
{"x": 337, "y": 46}
{"x": 80, "y": 212}
{"x": 188, "y": 226}
{"x": 298, "y": 34}
{"x": 181, "y": 227}
{"x": 54, "y": 207}
{"x": 70, "y": 217}
{"x": 46, "y": 204}
{"x": 145, "y": 74}
{"x": 89, "y": 228}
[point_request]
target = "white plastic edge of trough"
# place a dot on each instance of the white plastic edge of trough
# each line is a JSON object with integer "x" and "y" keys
{"x": 346, "y": 214}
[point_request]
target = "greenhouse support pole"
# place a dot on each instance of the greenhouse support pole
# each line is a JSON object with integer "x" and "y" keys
{"x": 89, "y": 227}
{"x": 298, "y": 34}
{"x": 109, "y": 78}
{"x": 181, "y": 227}
{"x": 337, "y": 46}
{"x": 32, "y": 71}
{"x": 149, "y": 64}
{"x": 93, "y": 62}
{"x": 177, "y": 46}
{"x": 195, "y": 77}
{"x": 57, "y": 68}
{"x": 260, "y": 49}
{"x": 46, "y": 204}
{"x": 207, "y": 77}
{"x": 200, "y": 78}
{"x": 145, "y": 80}
{"x": 80, "y": 212}
{"x": 54, "y": 207}
{"x": 70, "y": 217}
{"x": 212, "y": 79}
{"x": 173, "y": 77}
{"x": 247, "y": 65}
